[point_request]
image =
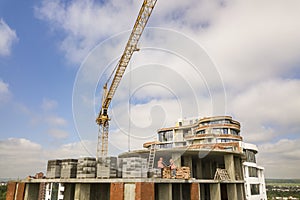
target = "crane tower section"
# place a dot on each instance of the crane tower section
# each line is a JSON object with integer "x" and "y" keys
{"x": 108, "y": 92}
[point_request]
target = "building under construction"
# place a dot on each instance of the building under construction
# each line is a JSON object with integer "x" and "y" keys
{"x": 212, "y": 162}
{"x": 201, "y": 158}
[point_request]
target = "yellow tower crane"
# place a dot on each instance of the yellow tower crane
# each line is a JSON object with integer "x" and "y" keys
{"x": 108, "y": 93}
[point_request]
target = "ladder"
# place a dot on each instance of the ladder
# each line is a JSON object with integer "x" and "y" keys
{"x": 222, "y": 175}
{"x": 151, "y": 157}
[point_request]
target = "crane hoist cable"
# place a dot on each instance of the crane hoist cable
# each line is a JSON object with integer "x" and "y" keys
{"x": 109, "y": 91}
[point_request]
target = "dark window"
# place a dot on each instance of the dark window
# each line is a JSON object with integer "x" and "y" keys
{"x": 250, "y": 156}
{"x": 254, "y": 189}
{"x": 252, "y": 172}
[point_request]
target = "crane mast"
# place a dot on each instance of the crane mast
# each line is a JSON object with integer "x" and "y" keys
{"x": 108, "y": 93}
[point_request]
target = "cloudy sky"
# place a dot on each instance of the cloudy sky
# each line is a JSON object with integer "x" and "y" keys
{"x": 197, "y": 58}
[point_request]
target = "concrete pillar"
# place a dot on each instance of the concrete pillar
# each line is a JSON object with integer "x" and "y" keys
{"x": 116, "y": 191}
{"x": 82, "y": 191}
{"x": 69, "y": 191}
{"x": 177, "y": 159}
{"x": 31, "y": 191}
{"x": 188, "y": 162}
{"x": 238, "y": 168}
{"x": 20, "y": 191}
{"x": 240, "y": 191}
{"x": 164, "y": 191}
{"x": 144, "y": 191}
{"x": 199, "y": 169}
{"x": 195, "y": 191}
{"x": 11, "y": 189}
{"x": 229, "y": 166}
{"x": 129, "y": 191}
{"x": 232, "y": 192}
{"x": 215, "y": 191}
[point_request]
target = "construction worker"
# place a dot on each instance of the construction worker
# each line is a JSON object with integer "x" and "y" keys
{"x": 173, "y": 168}
{"x": 161, "y": 165}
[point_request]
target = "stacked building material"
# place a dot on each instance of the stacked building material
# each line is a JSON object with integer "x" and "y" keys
{"x": 86, "y": 167}
{"x": 107, "y": 167}
{"x": 68, "y": 168}
{"x": 53, "y": 169}
{"x": 157, "y": 173}
{"x": 166, "y": 172}
{"x": 183, "y": 173}
{"x": 134, "y": 167}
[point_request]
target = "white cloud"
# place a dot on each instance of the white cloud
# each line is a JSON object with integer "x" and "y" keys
{"x": 58, "y": 134}
{"x": 7, "y": 37}
{"x": 4, "y": 91}
{"x": 281, "y": 159}
{"x": 56, "y": 121}
{"x": 49, "y": 104}
{"x": 268, "y": 109}
{"x": 20, "y": 157}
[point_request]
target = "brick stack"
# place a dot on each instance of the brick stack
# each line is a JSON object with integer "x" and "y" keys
{"x": 107, "y": 167}
{"x": 86, "y": 167}
{"x": 183, "y": 173}
{"x": 134, "y": 167}
{"x": 53, "y": 169}
{"x": 68, "y": 168}
{"x": 166, "y": 172}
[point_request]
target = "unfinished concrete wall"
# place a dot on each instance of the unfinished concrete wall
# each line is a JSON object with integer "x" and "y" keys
{"x": 129, "y": 191}
{"x": 32, "y": 191}
{"x": 215, "y": 191}
{"x": 82, "y": 191}
{"x": 229, "y": 165}
{"x": 163, "y": 191}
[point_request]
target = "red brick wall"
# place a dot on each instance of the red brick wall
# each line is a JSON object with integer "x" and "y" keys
{"x": 11, "y": 188}
{"x": 144, "y": 191}
{"x": 195, "y": 191}
{"x": 116, "y": 191}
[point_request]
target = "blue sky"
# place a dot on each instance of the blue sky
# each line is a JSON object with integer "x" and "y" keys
{"x": 230, "y": 57}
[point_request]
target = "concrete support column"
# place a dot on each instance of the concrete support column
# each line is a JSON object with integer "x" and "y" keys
{"x": 188, "y": 162}
{"x": 238, "y": 168}
{"x": 129, "y": 191}
{"x": 199, "y": 169}
{"x": 20, "y": 191}
{"x": 195, "y": 191}
{"x": 82, "y": 191}
{"x": 116, "y": 191}
{"x": 232, "y": 192}
{"x": 165, "y": 191}
{"x": 229, "y": 166}
{"x": 144, "y": 191}
{"x": 31, "y": 191}
{"x": 240, "y": 191}
{"x": 177, "y": 159}
{"x": 215, "y": 191}
{"x": 11, "y": 189}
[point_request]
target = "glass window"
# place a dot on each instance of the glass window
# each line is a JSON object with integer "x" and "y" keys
{"x": 252, "y": 172}
{"x": 254, "y": 189}
{"x": 250, "y": 156}
{"x": 225, "y": 130}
